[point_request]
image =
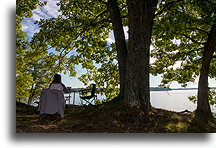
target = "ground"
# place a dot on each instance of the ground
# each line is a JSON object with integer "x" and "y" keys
{"x": 109, "y": 118}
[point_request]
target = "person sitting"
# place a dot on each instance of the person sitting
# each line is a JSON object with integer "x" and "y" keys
{"x": 52, "y": 99}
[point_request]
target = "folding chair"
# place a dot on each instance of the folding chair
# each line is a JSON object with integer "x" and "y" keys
{"x": 88, "y": 99}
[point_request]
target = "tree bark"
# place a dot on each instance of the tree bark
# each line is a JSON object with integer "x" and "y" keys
{"x": 141, "y": 15}
{"x": 120, "y": 42}
{"x": 32, "y": 92}
{"x": 203, "y": 106}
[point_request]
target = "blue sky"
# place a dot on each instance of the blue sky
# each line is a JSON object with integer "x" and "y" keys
{"x": 50, "y": 10}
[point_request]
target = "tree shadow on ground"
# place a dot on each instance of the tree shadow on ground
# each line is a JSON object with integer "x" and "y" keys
{"x": 108, "y": 118}
{"x": 202, "y": 124}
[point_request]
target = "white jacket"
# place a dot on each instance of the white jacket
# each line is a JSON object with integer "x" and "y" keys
{"x": 51, "y": 101}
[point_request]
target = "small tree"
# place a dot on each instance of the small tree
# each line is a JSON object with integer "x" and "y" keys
{"x": 191, "y": 43}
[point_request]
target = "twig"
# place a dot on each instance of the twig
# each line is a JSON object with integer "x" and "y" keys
{"x": 103, "y": 2}
{"x": 198, "y": 30}
{"x": 167, "y": 6}
{"x": 202, "y": 43}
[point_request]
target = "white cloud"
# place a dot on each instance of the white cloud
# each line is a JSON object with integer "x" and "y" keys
{"x": 29, "y": 27}
{"x": 48, "y": 11}
{"x": 52, "y": 8}
{"x": 25, "y": 27}
{"x": 36, "y": 17}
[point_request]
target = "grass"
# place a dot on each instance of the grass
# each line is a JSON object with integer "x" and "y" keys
{"x": 110, "y": 118}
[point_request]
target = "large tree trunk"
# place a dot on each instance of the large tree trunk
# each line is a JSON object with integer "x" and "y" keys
{"x": 141, "y": 15}
{"x": 119, "y": 41}
{"x": 203, "y": 106}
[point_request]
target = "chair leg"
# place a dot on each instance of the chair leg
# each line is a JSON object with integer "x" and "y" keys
{"x": 88, "y": 101}
{"x": 95, "y": 99}
{"x": 81, "y": 101}
{"x": 39, "y": 117}
{"x": 59, "y": 117}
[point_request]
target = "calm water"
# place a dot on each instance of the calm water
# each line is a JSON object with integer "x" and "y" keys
{"x": 175, "y": 100}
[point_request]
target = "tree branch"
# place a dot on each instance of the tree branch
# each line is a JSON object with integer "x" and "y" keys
{"x": 103, "y": 2}
{"x": 193, "y": 39}
{"x": 198, "y": 29}
{"x": 124, "y": 16}
{"x": 105, "y": 11}
{"x": 166, "y": 7}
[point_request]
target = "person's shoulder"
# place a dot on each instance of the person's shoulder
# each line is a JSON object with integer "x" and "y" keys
{"x": 55, "y": 83}
{"x": 62, "y": 84}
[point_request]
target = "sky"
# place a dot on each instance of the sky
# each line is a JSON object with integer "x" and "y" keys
{"x": 49, "y": 11}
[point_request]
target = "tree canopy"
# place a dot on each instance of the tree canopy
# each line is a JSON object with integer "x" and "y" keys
{"x": 178, "y": 30}
{"x": 179, "y": 38}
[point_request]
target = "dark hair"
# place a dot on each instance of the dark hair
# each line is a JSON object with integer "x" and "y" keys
{"x": 57, "y": 78}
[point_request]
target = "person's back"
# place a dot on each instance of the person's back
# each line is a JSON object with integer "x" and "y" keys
{"x": 57, "y": 84}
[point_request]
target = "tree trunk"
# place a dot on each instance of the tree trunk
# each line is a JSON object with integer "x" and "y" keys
{"x": 32, "y": 91}
{"x": 203, "y": 106}
{"x": 120, "y": 42}
{"x": 141, "y": 15}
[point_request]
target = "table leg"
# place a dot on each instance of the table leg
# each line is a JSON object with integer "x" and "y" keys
{"x": 73, "y": 100}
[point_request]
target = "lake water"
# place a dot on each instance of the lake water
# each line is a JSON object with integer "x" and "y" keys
{"x": 175, "y": 100}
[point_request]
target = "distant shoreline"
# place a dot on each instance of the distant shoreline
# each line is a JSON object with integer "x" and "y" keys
{"x": 151, "y": 89}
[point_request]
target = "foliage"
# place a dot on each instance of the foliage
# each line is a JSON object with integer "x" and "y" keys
{"x": 65, "y": 42}
{"x": 80, "y": 32}
{"x": 178, "y": 38}
{"x": 35, "y": 65}
{"x": 78, "y": 37}
{"x": 24, "y": 7}
{"x": 23, "y": 77}
{"x": 211, "y": 97}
